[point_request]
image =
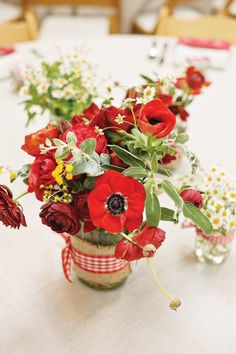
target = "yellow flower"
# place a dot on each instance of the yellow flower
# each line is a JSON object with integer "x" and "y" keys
{"x": 69, "y": 176}
{"x": 12, "y": 175}
{"x": 58, "y": 179}
{"x": 69, "y": 168}
{"x": 216, "y": 221}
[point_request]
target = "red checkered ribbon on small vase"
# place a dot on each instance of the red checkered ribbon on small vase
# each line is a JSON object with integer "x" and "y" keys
{"x": 214, "y": 239}
{"x": 96, "y": 264}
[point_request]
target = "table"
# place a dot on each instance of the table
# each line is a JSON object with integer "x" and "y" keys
{"x": 41, "y": 313}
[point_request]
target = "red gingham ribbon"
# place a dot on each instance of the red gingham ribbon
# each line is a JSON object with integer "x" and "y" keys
{"x": 216, "y": 240}
{"x": 96, "y": 264}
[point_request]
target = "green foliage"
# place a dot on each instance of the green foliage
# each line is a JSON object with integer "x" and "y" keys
{"x": 197, "y": 217}
{"x": 152, "y": 209}
{"x": 172, "y": 193}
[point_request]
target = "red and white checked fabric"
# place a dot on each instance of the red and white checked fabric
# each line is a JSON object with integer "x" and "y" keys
{"x": 216, "y": 240}
{"x": 96, "y": 264}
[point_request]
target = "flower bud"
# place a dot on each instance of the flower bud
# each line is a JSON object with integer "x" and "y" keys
{"x": 175, "y": 303}
{"x": 149, "y": 250}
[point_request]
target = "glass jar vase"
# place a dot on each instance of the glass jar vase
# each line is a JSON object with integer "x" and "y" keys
{"x": 213, "y": 249}
{"x": 93, "y": 260}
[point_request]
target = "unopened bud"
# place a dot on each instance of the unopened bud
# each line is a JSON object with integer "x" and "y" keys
{"x": 149, "y": 250}
{"x": 175, "y": 303}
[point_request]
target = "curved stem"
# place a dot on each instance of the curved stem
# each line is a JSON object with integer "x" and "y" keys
{"x": 157, "y": 280}
{"x": 21, "y": 195}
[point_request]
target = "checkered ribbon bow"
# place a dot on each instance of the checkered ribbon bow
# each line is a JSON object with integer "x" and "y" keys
{"x": 92, "y": 263}
{"x": 66, "y": 257}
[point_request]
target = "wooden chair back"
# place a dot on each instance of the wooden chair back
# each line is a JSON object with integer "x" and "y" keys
{"x": 218, "y": 26}
{"x": 19, "y": 30}
{"x": 114, "y": 19}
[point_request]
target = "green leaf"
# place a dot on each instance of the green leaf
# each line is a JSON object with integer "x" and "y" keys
{"x": 105, "y": 159}
{"x": 200, "y": 220}
{"x": 71, "y": 139}
{"x": 154, "y": 163}
{"x": 88, "y": 146}
{"x": 62, "y": 152}
{"x": 57, "y": 142}
{"x": 48, "y": 142}
{"x": 112, "y": 167}
{"x": 164, "y": 172}
{"x": 127, "y": 157}
{"x": 167, "y": 214}
{"x": 136, "y": 172}
{"x": 172, "y": 193}
{"x": 89, "y": 183}
{"x": 91, "y": 168}
{"x": 146, "y": 78}
{"x": 153, "y": 210}
{"x": 182, "y": 138}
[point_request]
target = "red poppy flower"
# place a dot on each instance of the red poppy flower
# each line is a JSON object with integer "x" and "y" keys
{"x": 10, "y": 213}
{"x": 32, "y": 141}
{"x": 146, "y": 242}
{"x": 83, "y": 132}
{"x": 156, "y": 119}
{"x": 192, "y": 196}
{"x": 117, "y": 202}
{"x": 90, "y": 113}
{"x": 40, "y": 173}
{"x": 80, "y": 201}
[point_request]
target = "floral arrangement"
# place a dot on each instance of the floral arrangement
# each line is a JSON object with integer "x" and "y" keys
{"x": 219, "y": 198}
{"x": 100, "y": 172}
{"x": 176, "y": 93}
{"x": 63, "y": 87}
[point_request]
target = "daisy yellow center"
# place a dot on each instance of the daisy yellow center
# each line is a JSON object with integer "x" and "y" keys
{"x": 116, "y": 204}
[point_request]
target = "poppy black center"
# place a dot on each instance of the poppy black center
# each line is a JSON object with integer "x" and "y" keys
{"x": 154, "y": 120}
{"x": 116, "y": 204}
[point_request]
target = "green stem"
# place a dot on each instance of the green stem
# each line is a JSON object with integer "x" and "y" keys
{"x": 21, "y": 195}
{"x": 157, "y": 280}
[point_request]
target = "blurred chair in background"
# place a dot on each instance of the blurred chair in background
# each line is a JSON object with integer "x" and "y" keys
{"x": 87, "y": 19}
{"x": 20, "y": 29}
{"x": 147, "y": 20}
{"x": 217, "y": 26}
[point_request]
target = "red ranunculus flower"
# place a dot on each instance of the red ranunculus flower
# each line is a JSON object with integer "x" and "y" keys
{"x": 10, "y": 213}
{"x": 195, "y": 79}
{"x": 146, "y": 242}
{"x": 32, "y": 141}
{"x": 117, "y": 202}
{"x": 80, "y": 201}
{"x": 192, "y": 196}
{"x": 40, "y": 173}
{"x": 83, "y": 132}
{"x": 90, "y": 113}
{"x": 60, "y": 217}
{"x": 156, "y": 119}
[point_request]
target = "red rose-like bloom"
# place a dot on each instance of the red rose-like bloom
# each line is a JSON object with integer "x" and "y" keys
{"x": 40, "y": 173}
{"x": 80, "y": 201}
{"x": 10, "y": 213}
{"x": 156, "y": 119}
{"x": 90, "y": 113}
{"x": 60, "y": 217}
{"x": 195, "y": 79}
{"x": 32, "y": 141}
{"x": 117, "y": 202}
{"x": 192, "y": 196}
{"x": 146, "y": 243}
{"x": 83, "y": 132}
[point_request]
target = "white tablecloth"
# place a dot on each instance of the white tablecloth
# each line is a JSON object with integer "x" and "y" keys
{"x": 40, "y": 313}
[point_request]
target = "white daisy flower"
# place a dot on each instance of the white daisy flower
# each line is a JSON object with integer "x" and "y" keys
{"x": 119, "y": 119}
